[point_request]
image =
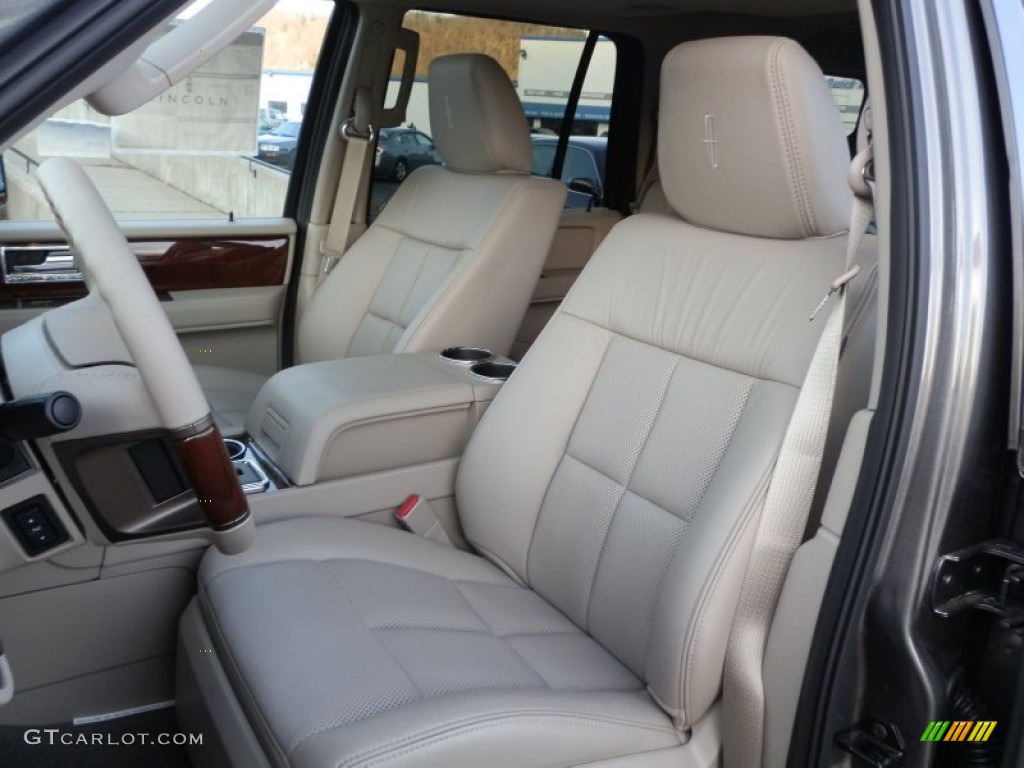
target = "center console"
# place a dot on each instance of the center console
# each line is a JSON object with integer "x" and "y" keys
{"x": 328, "y": 421}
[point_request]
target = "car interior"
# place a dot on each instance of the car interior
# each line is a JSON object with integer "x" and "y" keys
{"x": 482, "y": 479}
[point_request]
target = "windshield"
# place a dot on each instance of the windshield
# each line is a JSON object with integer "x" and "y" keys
{"x": 287, "y": 129}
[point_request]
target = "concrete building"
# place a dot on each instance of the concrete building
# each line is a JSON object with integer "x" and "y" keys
{"x": 547, "y": 67}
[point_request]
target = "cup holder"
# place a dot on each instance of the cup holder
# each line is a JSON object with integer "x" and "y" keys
{"x": 492, "y": 371}
{"x": 235, "y": 448}
{"x": 466, "y": 355}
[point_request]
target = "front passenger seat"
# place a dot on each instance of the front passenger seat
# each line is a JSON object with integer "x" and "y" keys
{"x": 611, "y": 491}
{"x": 452, "y": 259}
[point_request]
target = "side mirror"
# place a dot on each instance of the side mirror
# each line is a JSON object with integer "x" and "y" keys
{"x": 586, "y": 187}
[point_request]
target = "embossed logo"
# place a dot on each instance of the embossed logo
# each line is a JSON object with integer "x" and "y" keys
{"x": 448, "y": 113}
{"x": 710, "y": 142}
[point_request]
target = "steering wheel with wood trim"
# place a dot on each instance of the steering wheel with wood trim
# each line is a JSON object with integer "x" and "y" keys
{"x": 112, "y": 271}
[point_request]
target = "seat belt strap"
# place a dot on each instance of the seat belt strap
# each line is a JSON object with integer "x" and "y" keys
{"x": 346, "y": 215}
{"x": 780, "y": 529}
{"x": 650, "y": 177}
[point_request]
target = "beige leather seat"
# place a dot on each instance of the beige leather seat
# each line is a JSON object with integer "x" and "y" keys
{"x": 610, "y": 492}
{"x": 454, "y": 256}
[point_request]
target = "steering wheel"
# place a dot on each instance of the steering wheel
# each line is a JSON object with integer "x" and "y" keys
{"x": 112, "y": 271}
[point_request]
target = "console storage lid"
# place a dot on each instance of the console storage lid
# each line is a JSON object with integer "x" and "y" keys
{"x": 334, "y": 419}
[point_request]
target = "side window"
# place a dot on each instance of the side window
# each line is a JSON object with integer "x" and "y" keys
{"x": 848, "y": 94}
{"x": 541, "y": 61}
{"x": 220, "y": 143}
{"x": 543, "y": 158}
{"x": 579, "y": 164}
{"x": 581, "y": 170}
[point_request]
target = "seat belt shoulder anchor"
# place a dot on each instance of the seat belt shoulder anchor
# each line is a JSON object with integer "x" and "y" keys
{"x": 350, "y": 131}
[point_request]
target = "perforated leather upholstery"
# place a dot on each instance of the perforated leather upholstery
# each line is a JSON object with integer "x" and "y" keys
{"x": 611, "y": 490}
{"x": 454, "y": 256}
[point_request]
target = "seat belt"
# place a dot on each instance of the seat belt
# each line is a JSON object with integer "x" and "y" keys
{"x": 645, "y": 186}
{"x": 787, "y": 503}
{"x": 650, "y": 175}
{"x": 346, "y": 215}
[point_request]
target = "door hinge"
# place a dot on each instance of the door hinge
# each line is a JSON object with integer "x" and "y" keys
{"x": 987, "y": 576}
{"x": 877, "y": 744}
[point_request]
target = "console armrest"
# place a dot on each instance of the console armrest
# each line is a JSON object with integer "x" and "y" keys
{"x": 335, "y": 419}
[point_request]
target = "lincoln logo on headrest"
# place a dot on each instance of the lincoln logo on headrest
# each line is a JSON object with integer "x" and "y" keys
{"x": 448, "y": 113}
{"x": 710, "y": 142}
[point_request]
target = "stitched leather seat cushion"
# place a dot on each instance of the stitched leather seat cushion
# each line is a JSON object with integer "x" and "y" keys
{"x": 336, "y": 623}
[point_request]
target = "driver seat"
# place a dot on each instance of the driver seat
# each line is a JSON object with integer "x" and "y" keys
{"x": 610, "y": 493}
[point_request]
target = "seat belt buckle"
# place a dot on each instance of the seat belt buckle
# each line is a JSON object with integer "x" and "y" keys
{"x": 417, "y": 516}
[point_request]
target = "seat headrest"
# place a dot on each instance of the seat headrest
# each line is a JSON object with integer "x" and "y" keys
{"x": 476, "y": 117}
{"x": 750, "y": 140}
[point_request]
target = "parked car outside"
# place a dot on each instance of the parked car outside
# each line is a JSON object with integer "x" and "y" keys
{"x": 270, "y": 118}
{"x": 278, "y": 146}
{"x": 584, "y": 164}
{"x": 401, "y": 151}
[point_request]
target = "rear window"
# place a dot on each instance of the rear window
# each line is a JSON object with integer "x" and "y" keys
{"x": 540, "y": 60}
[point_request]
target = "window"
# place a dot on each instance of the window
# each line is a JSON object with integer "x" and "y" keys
{"x": 579, "y": 164}
{"x": 540, "y": 60}
{"x": 584, "y": 162}
{"x": 290, "y": 130}
{"x": 543, "y": 157}
{"x": 221, "y": 142}
{"x": 848, "y": 94}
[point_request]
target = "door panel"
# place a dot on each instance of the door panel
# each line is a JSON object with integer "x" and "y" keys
{"x": 222, "y": 284}
{"x": 579, "y": 234}
{"x": 230, "y": 327}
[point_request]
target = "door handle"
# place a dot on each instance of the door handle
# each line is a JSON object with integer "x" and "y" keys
{"x": 38, "y": 264}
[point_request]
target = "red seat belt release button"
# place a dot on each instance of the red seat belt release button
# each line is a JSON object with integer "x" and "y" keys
{"x": 407, "y": 507}
{"x": 416, "y": 515}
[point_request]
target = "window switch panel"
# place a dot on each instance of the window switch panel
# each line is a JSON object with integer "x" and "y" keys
{"x": 35, "y": 525}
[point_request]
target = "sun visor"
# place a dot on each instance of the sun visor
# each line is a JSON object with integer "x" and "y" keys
{"x": 177, "y": 54}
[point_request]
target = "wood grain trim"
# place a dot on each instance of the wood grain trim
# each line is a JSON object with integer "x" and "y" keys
{"x": 185, "y": 265}
{"x": 213, "y": 478}
{"x": 188, "y": 265}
